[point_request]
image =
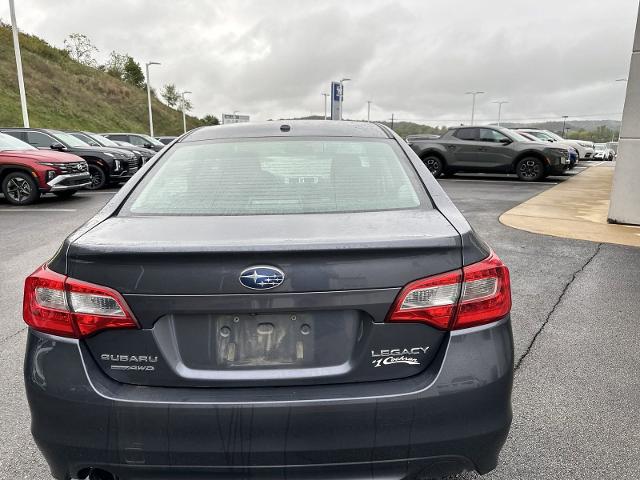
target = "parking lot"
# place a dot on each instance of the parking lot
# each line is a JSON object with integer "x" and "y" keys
{"x": 574, "y": 308}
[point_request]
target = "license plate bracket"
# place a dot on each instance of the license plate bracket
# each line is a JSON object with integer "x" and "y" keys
{"x": 269, "y": 340}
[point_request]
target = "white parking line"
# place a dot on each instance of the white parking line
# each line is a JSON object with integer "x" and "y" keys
{"x": 38, "y": 210}
{"x": 480, "y": 180}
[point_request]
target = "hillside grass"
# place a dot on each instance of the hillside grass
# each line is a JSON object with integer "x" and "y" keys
{"x": 65, "y": 94}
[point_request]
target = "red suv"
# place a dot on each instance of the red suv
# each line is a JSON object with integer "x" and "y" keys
{"x": 26, "y": 172}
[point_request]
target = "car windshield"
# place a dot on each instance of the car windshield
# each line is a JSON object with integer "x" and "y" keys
{"x": 554, "y": 136}
{"x": 275, "y": 176}
{"x": 514, "y": 135}
{"x": 7, "y": 142}
{"x": 152, "y": 140}
{"x": 600, "y": 148}
{"x": 104, "y": 141}
{"x": 86, "y": 138}
{"x": 69, "y": 139}
{"x": 542, "y": 136}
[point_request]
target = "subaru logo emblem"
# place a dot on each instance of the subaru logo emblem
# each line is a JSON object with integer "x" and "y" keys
{"x": 261, "y": 277}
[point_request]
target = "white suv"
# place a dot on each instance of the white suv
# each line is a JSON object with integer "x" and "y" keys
{"x": 584, "y": 148}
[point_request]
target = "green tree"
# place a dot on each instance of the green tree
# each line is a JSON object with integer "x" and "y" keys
{"x": 170, "y": 94}
{"x": 185, "y": 104}
{"x": 210, "y": 120}
{"x": 79, "y": 48}
{"x": 116, "y": 63}
{"x": 133, "y": 73}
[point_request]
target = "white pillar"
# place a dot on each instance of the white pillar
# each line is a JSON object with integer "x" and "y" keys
{"x": 625, "y": 194}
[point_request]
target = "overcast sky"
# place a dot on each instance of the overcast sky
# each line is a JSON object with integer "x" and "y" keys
{"x": 273, "y": 58}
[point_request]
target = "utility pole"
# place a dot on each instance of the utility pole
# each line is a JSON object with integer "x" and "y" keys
{"x": 392, "y": 117}
{"x": 325, "y": 95}
{"x": 16, "y": 48}
{"x": 500, "y": 103}
{"x": 473, "y": 104}
{"x": 368, "y": 110}
{"x": 184, "y": 117}
{"x": 149, "y": 97}
{"x": 564, "y": 122}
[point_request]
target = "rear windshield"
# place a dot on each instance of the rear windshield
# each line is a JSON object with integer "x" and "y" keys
{"x": 275, "y": 176}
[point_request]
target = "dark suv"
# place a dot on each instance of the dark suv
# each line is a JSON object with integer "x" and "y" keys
{"x": 272, "y": 301}
{"x": 106, "y": 165}
{"x": 491, "y": 149}
{"x": 26, "y": 172}
{"x": 96, "y": 140}
{"x": 137, "y": 139}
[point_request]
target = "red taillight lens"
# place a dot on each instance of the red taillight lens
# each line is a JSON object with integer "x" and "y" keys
{"x": 479, "y": 293}
{"x": 486, "y": 294}
{"x": 430, "y": 300}
{"x": 57, "y": 304}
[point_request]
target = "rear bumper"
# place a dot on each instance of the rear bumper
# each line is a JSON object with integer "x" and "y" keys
{"x": 453, "y": 416}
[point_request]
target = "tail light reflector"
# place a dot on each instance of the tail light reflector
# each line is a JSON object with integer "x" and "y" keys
{"x": 56, "y": 304}
{"x": 477, "y": 294}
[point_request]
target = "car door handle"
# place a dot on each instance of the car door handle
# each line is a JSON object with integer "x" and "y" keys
{"x": 482, "y": 149}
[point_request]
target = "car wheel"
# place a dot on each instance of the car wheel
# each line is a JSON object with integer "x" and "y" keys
{"x": 434, "y": 164}
{"x": 20, "y": 189}
{"x": 530, "y": 169}
{"x": 98, "y": 177}
{"x": 65, "y": 194}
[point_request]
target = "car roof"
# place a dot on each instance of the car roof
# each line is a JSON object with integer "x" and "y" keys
{"x": 296, "y": 128}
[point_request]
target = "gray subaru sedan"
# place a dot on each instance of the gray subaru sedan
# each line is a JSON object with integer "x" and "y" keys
{"x": 273, "y": 300}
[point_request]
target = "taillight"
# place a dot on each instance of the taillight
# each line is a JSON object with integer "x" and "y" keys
{"x": 56, "y": 304}
{"x": 479, "y": 293}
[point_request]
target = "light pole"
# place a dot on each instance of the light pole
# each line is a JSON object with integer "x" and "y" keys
{"x": 342, "y": 94}
{"x": 368, "y": 110}
{"x": 16, "y": 47}
{"x": 500, "y": 103}
{"x": 184, "y": 117}
{"x": 564, "y": 122}
{"x": 473, "y": 104}
{"x": 325, "y": 95}
{"x": 149, "y": 97}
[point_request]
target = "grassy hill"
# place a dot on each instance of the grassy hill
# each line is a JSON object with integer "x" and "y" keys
{"x": 65, "y": 94}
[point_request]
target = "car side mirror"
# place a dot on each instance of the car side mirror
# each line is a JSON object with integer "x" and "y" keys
{"x": 57, "y": 146}
{"x": 551, "y": 140}
{"x": 148, "y": 145}
{"x": 505, "y": 141}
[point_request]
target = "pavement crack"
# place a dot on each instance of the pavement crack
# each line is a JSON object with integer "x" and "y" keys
{"x": 14, "y": 334}
{"x": 555, "y": 306}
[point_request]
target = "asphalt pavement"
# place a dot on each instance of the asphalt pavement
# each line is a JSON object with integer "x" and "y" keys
{"x": 576, "y": 307}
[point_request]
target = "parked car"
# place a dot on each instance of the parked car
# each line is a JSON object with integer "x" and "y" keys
{"x": 26, "y": 172}
{"x": 573, "y": 153}
{"x": 95, "y": 140}
{"x": 585, "y": 149}
{"x": 106, "y": 165}
{"x": 491, "y": 149}
{"x": 166, "y": 140}
{"x": 272, "y": 300}
{"x": 137, "y": 139}
{"x": 603, "y": 152}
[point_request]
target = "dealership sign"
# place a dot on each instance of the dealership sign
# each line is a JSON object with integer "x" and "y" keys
{"x": 336, "y": 100}
{"x": 231, "y": 118}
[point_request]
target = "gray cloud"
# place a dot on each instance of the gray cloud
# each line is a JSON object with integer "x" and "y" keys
{"x": 416, "y": 59}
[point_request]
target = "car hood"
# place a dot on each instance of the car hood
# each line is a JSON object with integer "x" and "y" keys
{"x": 118, "y": 152}
{"x": 41, "y": 155}
{"x": 141, "y": 150}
